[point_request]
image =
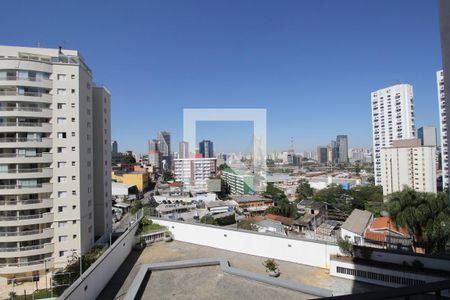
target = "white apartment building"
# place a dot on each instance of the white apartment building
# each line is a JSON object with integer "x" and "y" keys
{"x": 239, "y": 183}
{"x": 408, "y": 164}
{"x": 49, "y": 108}
{"x": 443, "y": 127}
{"x": 392, "y": 119}
{"x": 195, "y": 172}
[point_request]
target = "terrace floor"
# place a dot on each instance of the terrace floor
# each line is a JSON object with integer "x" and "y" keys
{"x": 211, "y": 283}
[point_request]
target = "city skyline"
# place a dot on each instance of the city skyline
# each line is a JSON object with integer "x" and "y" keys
{"x": 280, "y": 58}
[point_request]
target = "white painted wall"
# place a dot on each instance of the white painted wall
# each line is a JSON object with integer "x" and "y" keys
{"x": 100, "y": 273}
{"x": 393, "y": 257}
{"x": 305, "y": 252}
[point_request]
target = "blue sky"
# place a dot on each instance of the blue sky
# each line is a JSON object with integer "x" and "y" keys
{"x": 311, "y": 64}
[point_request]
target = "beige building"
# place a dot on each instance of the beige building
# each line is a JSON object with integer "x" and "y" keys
{"x": 408, "y": 164}
{"x": 52, "y": 160}
{"x": 195, "y": 172}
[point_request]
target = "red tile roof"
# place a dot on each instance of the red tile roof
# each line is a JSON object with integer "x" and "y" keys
{"x": 283, "y": 220}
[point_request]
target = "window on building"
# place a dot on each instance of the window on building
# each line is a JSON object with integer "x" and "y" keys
{"x": 62, "y": 194}
{"x": 62, "y": 238}
{"x": 62, "y": 106}
{"x": 61, "y": 149}
{"x": 62, "y": 224}
{"x": 61, "y": 92}
{"x": 62, "y": 179}
{"x": 61, "y": 77}
{"x": 62, "y": 135}
{"x": 61, "y": 164}
{"x": 61, "y": 121}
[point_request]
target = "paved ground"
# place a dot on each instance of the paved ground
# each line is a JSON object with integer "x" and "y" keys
{"x": 210, "y": 283}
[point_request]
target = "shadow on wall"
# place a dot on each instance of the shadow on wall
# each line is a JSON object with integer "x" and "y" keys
{"x": 112, "y": 289}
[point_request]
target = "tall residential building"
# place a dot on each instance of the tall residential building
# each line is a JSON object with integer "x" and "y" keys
{"x": 408, "y": 164}
{"x": 206, "y": 149}
{"x": 427, "y": 135}
{"x": 444, "y": 22}
{"x": 342, "y": 148}
{"x": 54, "y": 147}
{"x": 195, "y": 172}
{"x": 322, "y": 154}
{"x": 183, "y": 150}
{"x": 101, "y": 120}
{"x": 443, "y": 127}
{"x": 392, "y": 119}
{"x": 114, "y": 147}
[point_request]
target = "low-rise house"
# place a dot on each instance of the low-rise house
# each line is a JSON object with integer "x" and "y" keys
{"x": 354, "y": 227}
{"x": 313, "y": 213}
{"x": 270, "y": 226}
{"x": 384, "y": 233}
{"x": 252, "y": 203}
{"x": 218, "y": 207}
{"x": 287, "y": 222}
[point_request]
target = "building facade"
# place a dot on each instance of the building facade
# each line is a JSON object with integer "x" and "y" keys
{"x": 239, "y": 184}
{"x": 48, "y": 148}
{"x": 342, "y": 146}
{"x": 443, "y": 127}
{"x": 427, "y": 136}
{"x": 322, "y": 154}
{"x": 183, "y": 150}
{"x": 206, "y": 149}
{"x": 392, "y": 119}
{"x": 195, "y": 172}
{"x": 408, "y": 164}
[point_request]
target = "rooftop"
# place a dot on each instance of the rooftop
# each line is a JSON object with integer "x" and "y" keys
{"x": 249, "y": 198}
{"x": 358, "y": 221}
{"x": 211, "y": 283}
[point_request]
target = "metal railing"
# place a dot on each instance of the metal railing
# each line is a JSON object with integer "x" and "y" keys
{"x": 21, "y": 233}
{"x": 13, "y": 171}
{"x": 19, "y": 140}
{"x": 32, "y": 109}
{"x": 23, "y": 217}
{"x": 25, "y": 264}
{"x": 18, "y": 187}
{"x": 38, "y": 79}
{"x": 21, "y": 249}
{"x": 21, "y": 124}
{"x": 16, "y": 93}
{"x": 24, "y": 202}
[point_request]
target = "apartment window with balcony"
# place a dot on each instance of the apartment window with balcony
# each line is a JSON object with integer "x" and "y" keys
{"x": 62, "y": 179}
{"x": 62, "y": 135}
{"x": 61, "y": 164}
{"x": 62, "y": 194}
{"x": 63, "y": 238}
{"x": 61, "y": 76}
{"x": 61, "y": 92}
{"x": 61, "y": 106}
{"x": 61, "y": 121}
{"x": 61, "y": 208}
{"x": 61, "y": 149}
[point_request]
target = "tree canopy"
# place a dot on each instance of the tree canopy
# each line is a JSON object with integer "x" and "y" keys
{"x": 426, "y": 216}
{"x": 304, "y": 190}
{"x": 128, "y": 159}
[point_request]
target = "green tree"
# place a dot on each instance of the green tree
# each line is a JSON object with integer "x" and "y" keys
{"x": 426, "y": 216}
{"x": 207, "y": 219}
{"x": 128, "y": 159}
{"x": 168, "y": 176}
{"x": 246, "y": 224}
{"x": 304, "y": 190}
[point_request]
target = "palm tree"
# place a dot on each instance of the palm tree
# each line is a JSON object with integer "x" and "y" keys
{"x": 426, "y": 216}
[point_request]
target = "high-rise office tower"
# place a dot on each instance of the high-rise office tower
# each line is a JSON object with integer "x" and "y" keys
{"x": 165, "y": 153}
{"x": 342, "y": 148}
{"x": 427, "y": 135}
{"x": 332, "y": 152}
{"x": 206, "y": 149}
{"x": 55, "y": 198}
{"x": 392, "y": 119}
{"x": 153, "y": 153}
{"x": 443, "y": 127}
{"x": 183, "y": 150}
{"x": 322, "y": 154}
{"x": 114, "y": 147}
